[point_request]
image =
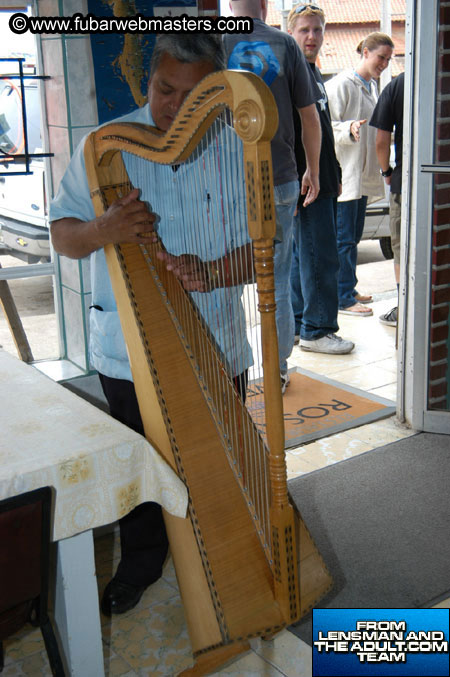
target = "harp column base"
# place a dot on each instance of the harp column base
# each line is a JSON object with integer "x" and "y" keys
{"x": 208, "y": 662}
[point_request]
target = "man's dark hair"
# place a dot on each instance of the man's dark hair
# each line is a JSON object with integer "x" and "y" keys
{"x": 189, "y": 49}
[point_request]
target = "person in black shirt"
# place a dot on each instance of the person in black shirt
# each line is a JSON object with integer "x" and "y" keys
{"x": 315, "y": 262}
{"x": 387, "y": 115}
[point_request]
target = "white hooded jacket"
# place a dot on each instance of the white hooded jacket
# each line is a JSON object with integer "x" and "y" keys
{"x": 349, "y": 100}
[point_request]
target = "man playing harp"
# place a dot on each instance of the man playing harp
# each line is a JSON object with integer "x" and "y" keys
{"x": 178, "y": 64}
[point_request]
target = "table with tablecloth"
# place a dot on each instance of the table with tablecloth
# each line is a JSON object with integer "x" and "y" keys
{"x": 99, "y": 469}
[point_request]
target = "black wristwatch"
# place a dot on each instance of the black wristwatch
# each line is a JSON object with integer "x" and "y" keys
{"x": 387, "y": 173}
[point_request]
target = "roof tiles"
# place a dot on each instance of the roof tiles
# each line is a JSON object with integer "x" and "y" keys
{"x": 359, "y": 11}
{"x": 346, "y": 11}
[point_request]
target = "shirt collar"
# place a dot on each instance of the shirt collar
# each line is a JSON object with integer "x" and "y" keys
{"x": 367, "y": 85}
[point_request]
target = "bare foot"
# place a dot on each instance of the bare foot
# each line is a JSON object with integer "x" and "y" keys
{"x": 361, "y": 298}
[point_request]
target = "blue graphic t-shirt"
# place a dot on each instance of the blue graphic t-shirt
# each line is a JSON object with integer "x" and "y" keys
{"x": 278, "y": 60}
{"x": 257, "y": 57}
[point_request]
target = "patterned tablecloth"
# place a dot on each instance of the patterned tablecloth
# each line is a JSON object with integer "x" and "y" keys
{"x": 99, "y": 468}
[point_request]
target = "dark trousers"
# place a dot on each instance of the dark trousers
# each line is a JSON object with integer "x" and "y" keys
{"x": 315, "y": 270}
{"x": 350, "y": 227}
{"x": 143, "y": 539}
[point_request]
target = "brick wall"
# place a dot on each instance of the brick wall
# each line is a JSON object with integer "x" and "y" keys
{"x": 439, "y": 371}
{"x": 208, "y": 7}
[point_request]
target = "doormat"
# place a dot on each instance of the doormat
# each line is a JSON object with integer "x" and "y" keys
{"x": 315, "y": 406}
{"x": 380, "y": 522}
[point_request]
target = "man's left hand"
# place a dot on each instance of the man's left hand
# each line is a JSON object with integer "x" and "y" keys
{"x": 310, "y": 187}
{"x": 189, "y": 269}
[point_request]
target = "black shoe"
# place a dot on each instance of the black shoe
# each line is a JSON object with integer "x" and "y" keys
{"x": 120, "y": 597}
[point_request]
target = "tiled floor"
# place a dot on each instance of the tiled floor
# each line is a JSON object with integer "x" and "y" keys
{"x": 152, "y": 638}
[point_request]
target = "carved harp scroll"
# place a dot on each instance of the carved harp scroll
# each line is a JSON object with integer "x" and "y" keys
{"x": 235, "y": 557}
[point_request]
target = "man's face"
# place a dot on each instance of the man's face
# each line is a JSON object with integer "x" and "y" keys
{"x": 308, "y": 33}
{"x": 170, "y": 85}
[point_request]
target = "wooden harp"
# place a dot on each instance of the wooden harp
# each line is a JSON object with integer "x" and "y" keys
{"x": 236, "y": 554}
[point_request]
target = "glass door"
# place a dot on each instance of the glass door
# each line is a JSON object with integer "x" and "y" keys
{"x": 424, "y": 329}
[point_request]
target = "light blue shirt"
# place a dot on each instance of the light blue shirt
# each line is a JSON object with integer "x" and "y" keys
{"x": 367, "y": 83}
{"x": 218, "y": 183}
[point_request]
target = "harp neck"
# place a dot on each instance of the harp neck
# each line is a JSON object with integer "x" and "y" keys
{"x": 251, "y": 102}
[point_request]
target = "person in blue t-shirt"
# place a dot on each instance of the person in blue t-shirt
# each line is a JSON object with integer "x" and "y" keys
{"x": 277, "y": 59}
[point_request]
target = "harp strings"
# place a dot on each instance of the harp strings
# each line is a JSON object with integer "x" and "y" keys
{"x": 201, "y": 210}
{"x": 246, "y": 448}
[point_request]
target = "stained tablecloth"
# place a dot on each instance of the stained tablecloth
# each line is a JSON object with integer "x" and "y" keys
{"x": 100, "y": 468}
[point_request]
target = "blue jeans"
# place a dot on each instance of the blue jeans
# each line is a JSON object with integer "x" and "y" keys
{"x": 350, "y": 226}
{"x": 286, "y": 197}
{"x": 315, "y": 269}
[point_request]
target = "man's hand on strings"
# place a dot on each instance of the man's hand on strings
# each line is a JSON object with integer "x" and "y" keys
{"x": 127, "y": 220}
{"x": 192, "y": 272}
{"x": 235, "y": 268}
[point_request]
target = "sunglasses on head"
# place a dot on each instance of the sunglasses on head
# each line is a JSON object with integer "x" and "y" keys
{"x": 302, "y": 8}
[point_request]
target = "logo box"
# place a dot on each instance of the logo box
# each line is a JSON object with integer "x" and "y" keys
{"x": 354, "y": 642}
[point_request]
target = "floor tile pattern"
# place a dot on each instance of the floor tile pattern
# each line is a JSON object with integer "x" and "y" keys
{"x": 152, "y": 638}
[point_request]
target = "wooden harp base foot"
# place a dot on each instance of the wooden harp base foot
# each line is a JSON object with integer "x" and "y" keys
{"x": 207, "y": 663}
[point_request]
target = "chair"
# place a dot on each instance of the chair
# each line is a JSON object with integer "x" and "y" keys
{"x": 24, "y": 569}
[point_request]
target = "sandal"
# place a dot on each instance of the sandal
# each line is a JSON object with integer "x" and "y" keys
{"x": 357, "y": 310}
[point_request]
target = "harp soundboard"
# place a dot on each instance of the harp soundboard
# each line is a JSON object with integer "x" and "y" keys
{"x": 237, "y": 552}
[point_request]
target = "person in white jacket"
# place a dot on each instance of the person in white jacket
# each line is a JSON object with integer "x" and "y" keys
{"x": 352, "y": 96}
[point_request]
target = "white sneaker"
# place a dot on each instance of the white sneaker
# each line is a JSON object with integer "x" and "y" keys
{"x": 284, "y": 375}
{"x": 331, "y": 344}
